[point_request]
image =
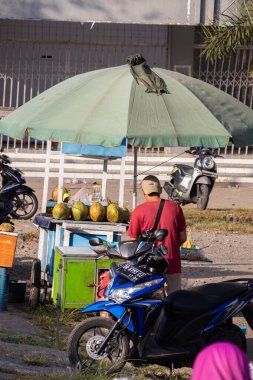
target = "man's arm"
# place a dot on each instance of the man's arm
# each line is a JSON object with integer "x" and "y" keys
{"x": 182, "y": 236}
{"x": 134, "y": 227}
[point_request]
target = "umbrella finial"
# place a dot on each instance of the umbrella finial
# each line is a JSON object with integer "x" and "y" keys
{"x": 144, "y": 74}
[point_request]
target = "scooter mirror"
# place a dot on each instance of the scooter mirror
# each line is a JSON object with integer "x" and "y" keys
{"x": 95, "y": 241}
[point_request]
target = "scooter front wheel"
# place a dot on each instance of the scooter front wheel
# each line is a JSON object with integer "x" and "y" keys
{"x": 203, "y": 198}
{"x": 86, "y": 339}
{"x": 24, "y": 206}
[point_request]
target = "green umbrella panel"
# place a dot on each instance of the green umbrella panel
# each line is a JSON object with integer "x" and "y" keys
{"x": 104, "y": 106}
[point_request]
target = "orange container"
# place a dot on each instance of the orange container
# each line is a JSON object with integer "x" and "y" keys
{"x": 8, "y": 242}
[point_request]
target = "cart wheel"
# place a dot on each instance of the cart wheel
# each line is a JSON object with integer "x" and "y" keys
{"x": 35, "y": 284}
{"x": 44, "y": 292}
{"x": 34, "y": 297}
{"x": 36, "y": 273}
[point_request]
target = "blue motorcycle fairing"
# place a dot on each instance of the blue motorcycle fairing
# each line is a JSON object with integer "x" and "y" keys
{"x": 151, "y": 308}
{"x": 24, "y": 189}
{"x": 224, "y": 312}
{"x": 19, "y": 188}
{"x": 140, "y": 293}
{"x": 113, "y": 308}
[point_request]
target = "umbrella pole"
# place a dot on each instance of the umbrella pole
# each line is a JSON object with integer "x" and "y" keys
{"x": 43, "y": 233}
{"x": 135, "y": 178}
{"x": 104, "y": 178}
{"x": 122, "y": 181}
{"x": 61, "y": 175}
{"x": 46, "y": 177}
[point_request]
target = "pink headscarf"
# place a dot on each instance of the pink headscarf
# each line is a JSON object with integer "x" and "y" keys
{"x": 221, "y": 361}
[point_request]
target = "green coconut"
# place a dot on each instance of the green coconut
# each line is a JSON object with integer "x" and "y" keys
{"x": 61, "y": 211}
{"x": 97, "y": 212}
{"x": 114, "y": 213}
{"x": 79, "y": 211}
{"x": 126, "y": 214}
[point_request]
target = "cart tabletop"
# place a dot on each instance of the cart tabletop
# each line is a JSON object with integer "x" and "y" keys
{"x": 95, "y": 226}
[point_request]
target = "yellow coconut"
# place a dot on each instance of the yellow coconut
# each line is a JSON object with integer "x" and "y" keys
{"x": 65, "y": 194}
{"x": 97, "y": 212}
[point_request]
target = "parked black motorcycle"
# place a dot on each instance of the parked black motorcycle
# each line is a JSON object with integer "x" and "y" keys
{"x": 16, "y": 198}
{"x": 193, "y": 184}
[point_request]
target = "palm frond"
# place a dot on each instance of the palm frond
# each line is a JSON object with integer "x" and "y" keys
{"x": 235, "y": 32}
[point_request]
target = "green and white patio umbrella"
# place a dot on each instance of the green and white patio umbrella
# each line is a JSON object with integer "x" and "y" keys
{"x": 104, "y": 106}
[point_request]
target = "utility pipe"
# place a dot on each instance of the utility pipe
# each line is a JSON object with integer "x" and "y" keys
{"x": 216, "y": 10}
{"x": 202, "y": 17}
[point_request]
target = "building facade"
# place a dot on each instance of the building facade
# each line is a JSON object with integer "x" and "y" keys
{"x": 45, "y": 42}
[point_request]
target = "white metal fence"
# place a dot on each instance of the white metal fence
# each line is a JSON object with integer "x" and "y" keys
{"x": 230, "y": 170}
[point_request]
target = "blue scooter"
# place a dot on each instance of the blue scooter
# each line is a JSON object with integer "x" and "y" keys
{"x": 142, "y": 326}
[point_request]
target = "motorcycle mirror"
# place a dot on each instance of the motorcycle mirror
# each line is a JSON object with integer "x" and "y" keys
{"x": 147, "y": 235}
{"x": 160, "y": 234}
{"x": 95, "y": 241}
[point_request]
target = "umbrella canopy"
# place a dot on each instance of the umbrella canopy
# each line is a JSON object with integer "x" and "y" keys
{"x": 103, "y": 107}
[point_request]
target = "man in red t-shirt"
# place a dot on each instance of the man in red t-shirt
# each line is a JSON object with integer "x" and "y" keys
{"x": 172, "y": 218}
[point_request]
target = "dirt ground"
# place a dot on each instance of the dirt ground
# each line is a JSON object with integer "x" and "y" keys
{"x": 230, "y": 255}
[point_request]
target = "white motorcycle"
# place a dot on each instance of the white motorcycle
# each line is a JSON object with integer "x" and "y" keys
{"x": 193, "y": 184}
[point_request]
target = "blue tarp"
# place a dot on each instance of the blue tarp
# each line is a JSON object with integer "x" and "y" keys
{"x": 94, "y": 150}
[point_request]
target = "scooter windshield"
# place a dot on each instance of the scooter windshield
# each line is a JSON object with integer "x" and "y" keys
{"x": 131, "y": 248}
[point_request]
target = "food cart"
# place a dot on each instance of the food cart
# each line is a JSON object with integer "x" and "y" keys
{"x": 63, "y": 240}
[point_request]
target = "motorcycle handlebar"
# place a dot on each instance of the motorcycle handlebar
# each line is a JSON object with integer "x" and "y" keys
{"x": 203, "y": 151}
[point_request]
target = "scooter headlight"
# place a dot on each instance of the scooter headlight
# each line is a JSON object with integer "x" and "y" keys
{"x": 123, "y": 294}
{"x": 208, "y": 163}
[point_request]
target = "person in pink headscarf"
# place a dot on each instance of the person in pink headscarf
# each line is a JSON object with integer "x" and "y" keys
{"x": 221, "y": 361}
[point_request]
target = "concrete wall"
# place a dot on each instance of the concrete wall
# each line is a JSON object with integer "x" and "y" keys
{"x": 186, "y": 12}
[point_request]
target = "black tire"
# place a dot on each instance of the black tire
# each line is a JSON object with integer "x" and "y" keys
{"x": 81, "y": 347}
{"x": 35, "y": 284}
{"x": 204, "y": 191}
{"x": 34, "y": 297}
{"x": 36, "y": 273}
{"x": 25, "y": 206}
{"x": 232, "y": 334}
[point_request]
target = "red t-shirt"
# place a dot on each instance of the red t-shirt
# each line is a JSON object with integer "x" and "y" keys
{"x": 172, "y": 218}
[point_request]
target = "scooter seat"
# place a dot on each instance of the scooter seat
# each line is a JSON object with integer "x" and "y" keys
{"x": 203, "y": 298}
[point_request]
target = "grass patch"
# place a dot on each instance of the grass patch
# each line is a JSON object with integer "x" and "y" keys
{"x": 16, "y": 339}
{"x": 155, "y": 373}
{"x": 238, "y": 220}
{"x": 3, "y": 330}
{"x": 31, "y": 236}
{"x": 58, "y": 376}
{"x": 36, "y": 359}
{"x": 46, "y": 317}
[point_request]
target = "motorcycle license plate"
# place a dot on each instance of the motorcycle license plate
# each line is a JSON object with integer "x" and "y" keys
{"x": 131, "y": 273}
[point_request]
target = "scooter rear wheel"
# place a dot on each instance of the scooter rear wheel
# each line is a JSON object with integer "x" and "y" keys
{"x": 24, "y": 206}
{"x": 85, "y": 341}
{"x": 232, "y": 334}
